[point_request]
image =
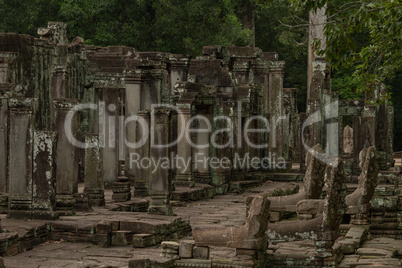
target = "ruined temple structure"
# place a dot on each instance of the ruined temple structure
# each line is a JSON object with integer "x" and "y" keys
{"x": 82, "y": 130}
{"x": 43, "y": 80}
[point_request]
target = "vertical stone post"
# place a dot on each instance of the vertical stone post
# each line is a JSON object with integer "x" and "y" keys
{"x": 132, "y": 107}
{"x": 3, "y": 145}
{"x": 306, "y": 135}
{"x": 184, "y": 173}
{"x": 44, "y": 175}
{"x": 67, "y": 157}
{"x": 390, "y": 135}
{"x": 108, "y": 129}
{"x": 141, "y": 183}
{"x": 20, "y": 158}
{"x": 276, "y": 108}
{"x": 160, "y": 179}
{"x": 59, "y": 79}
{"x": 202, "y": 168}
{"x": 317, "y": 21}
{"x": 93, "y": 178}
{"x": 220, "y": 136}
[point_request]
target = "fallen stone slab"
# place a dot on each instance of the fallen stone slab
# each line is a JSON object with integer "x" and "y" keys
{"x": 374, "y": 252}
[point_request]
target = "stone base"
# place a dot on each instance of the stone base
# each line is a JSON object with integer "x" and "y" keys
{"x": 82, "y": 202}
{"x": 3, "y": 203}
{"x": 143, "y": 240}
{"x": 121, "y": 190}
{"x": 204, "y": 178}
{"x": 121, "y": 197}
{"x": 96, "y": 196}
{"x": 140, "y": 189}
{"x": 220, "y": 178}
{"x": 65, "y": 205}
{"x": 27, "y": 214}
{"x": 184, "y": 180}
{"x": 160, "y": 205}
{"x": 161, "y": 210}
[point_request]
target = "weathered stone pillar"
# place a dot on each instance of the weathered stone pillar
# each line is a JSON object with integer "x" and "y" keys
{"x": 390, "y": 135}
{"x": 108, "y": 129}
{"x": 3, "y": 145}
{"x": 67, "y": 158}
{"x": 290, "y": 123}
{"x": 220, "y": 136}
{"x": 132, "y": 107}
{"x": 20, "y": 158}
{"x": 94, "y": 185}
{"x": 59, "y": 80}
{"x": 306, "y": 135}
{"x": 141, "y": 182}
{"x": 276, "y": 108}
{"x": 160, "y": 178}
{"x": 184, "y": 170}
{"x": 201, "y": 154}
{"x": 44, "y": 175}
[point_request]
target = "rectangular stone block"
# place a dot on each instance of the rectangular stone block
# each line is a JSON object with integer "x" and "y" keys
{"x": 143, "y": 240}
{"x": 186, "y": 249}
{"x": 101, "y": 228}
{"x": 121, "y": 238}
{"x": 201, "y": 253}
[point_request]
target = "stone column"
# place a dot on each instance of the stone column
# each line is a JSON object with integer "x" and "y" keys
{"x": 59, "y": 76}
{"x": 390, "y": 135}
{"x": 67, "y": 158}
{"x": 203, "y": 173}
{"x": 307, "y": 136}
{"x": 108, "y": 129}
{"x": 3, "y": 145}
{"x": 219, "y": 176}
{"x": 94, "y": 185}
{"x": 184, "y": 174}
{"x": 317, "y": 21}
{"x": 160, "y": 179}
{"x": 44, "y": 175}
{"x": 141, "y": 183}
{"x": 133, "y": 106}
{"x": 20, "y": 158}
{"x": 276, "y": 108}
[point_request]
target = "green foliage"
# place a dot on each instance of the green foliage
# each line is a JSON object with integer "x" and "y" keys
{"x": 343, "y": 82}
{"x": 24, "y": 17}
{"x": 274, "y": 34}
{"x": 379, "y": 59}
{"x": 163, "y": 25}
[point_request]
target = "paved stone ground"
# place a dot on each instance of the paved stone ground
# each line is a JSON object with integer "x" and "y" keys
{"x": 226, "y": 210}
{"x": 378, "y": 252}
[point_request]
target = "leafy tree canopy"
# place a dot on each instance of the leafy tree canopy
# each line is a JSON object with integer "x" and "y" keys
{"x": 374, "y": 62}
